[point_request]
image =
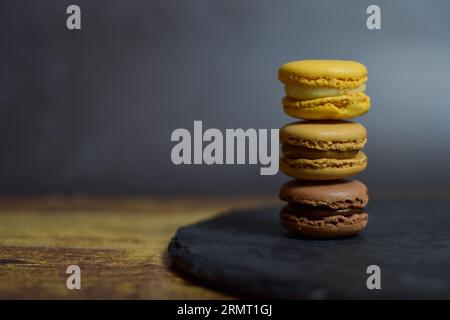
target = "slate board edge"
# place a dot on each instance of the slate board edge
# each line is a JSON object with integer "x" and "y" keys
{"x": 182, "y": 259}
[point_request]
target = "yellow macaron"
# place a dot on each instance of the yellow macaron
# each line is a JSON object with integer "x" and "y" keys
{"x": 324, "y": 89}
{"x": 323, "y": 150}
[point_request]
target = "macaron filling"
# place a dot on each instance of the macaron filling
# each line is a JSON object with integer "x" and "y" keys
{"x": 296, "y": 152}
{"x": 320, "y": 212}
{"x": 360, "y": 160}
{"x": 304, "y": 92}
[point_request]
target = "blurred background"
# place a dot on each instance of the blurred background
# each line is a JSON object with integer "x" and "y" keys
{"x": 91, "y": 111}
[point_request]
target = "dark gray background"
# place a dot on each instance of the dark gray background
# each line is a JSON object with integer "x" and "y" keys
{"x": 92, "y": 111}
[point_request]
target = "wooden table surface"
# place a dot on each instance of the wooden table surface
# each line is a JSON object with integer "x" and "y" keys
{"x": 119, "y": 244}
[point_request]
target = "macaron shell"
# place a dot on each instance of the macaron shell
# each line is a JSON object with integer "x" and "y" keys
{"x": 323, "y": 169}
{"x": 324, "y": 73}
{"x": 335, "y": 226}
{"x": 324, "y": 135}
{"x": 347, "y": 106}
{"x": 335, "y": 194}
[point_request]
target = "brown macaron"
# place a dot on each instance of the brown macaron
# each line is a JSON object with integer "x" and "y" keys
{"x": 324, "y": 209}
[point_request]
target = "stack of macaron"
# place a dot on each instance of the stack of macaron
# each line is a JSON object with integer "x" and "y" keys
{"x": 324, "y": 150}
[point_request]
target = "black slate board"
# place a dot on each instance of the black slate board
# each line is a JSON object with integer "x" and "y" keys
{"x": 248, "y": 254}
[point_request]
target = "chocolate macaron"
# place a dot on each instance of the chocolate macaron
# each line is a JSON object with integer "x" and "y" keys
{"x": 324, "y": 209}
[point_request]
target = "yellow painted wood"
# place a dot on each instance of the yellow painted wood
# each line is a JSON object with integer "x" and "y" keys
{"x": 119, "y": 244}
